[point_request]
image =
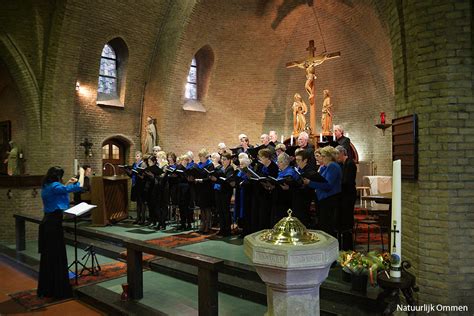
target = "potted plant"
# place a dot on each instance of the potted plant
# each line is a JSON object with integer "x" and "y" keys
{"x": 362, "y": 266}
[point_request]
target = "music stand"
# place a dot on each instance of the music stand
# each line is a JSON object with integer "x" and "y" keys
{"x": 76, "y": 211}
{"x": 95, "y": 266}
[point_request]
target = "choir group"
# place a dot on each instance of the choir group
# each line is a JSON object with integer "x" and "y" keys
{"x": 265, "y": 181}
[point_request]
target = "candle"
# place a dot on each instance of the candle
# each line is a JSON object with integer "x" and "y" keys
{"x": 382, "y": 117}
{"x": 291, "y": 140}
{"x": 281, "y": 139}
{"x": 396, "y": 244}
{"x": 76, "y": 167}
{"x": 333, "y": 137}
{"x": 320, "y": 137}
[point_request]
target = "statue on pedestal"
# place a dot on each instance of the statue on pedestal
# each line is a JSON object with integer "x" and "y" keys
{"x": 13, "y": 160}
{"x": 326, "y": 119}
{"x": 150, "y": 138}
{"x": 299, "y": 111}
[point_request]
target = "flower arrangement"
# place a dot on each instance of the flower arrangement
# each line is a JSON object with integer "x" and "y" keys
{"x": 358, "y": 263}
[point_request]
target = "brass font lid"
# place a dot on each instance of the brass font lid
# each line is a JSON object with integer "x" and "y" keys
{"x": 289, "y": 231}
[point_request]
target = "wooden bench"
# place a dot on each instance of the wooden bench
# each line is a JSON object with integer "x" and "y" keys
{"x": 208, "y": 267}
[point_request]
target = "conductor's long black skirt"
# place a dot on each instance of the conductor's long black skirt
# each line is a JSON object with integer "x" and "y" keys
{"x": 53, "y": 280}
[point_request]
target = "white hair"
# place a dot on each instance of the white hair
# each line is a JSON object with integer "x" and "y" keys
{"x": 284, "y": 158}
{"x": 242, "y": 136}
{"x": 245, "y": 161}
{"x": 303, "y": 135}
{"x": 243, "y": 155}
{"x": 221, "y": 146}
{"x": 190, "y": 154}
{"x": 339, "y": 127}
{"x": 156, "y": 148}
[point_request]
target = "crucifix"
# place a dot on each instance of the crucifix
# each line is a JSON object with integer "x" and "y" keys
{"x": 394, "y": 231}
{"x": 87, "y": 147}
{"x": 309, "y": 64}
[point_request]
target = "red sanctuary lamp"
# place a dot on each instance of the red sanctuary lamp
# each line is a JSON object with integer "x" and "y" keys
{"x": 383, "y": 126}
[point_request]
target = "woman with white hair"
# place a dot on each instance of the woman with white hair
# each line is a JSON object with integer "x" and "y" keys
{"x": 328, "y": 192}
{"x": 283, "y": 193}
{"x": 243, "y": 196}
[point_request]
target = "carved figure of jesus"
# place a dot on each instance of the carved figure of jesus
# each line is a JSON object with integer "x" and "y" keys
{"x": 299, "y": 111}
{"x": 326, "y": 119}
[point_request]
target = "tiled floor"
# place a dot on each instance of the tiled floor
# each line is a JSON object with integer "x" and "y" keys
{"x": 12, "y": 281}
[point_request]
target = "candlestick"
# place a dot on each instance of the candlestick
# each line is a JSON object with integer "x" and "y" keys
{"x": 320, "y": 137}
{"x": 282, "y": 139}
{"x": 75, "y": 167}
{"x": 333, "y": 137}
{"x": 396, "y": 246}
{"x": 291, "y": 140}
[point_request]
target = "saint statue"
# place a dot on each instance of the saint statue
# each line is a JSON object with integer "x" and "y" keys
{"x": 13, "y": 160}
{"x": 299, "y": 111}
{"x": 150, "y": 139}
{"x": 326, "y": 119}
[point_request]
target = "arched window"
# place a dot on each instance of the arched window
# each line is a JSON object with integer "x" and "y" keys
{"x": 197, "y": 82}
{"x": 192, "y": 84}
{"x": 108, "y": 71}
{"x": 112, "y": 73}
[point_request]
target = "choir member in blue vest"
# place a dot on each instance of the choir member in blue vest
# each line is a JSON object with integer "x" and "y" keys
{"x": 327, "y": 192}
{"x": 223, "y": 193}
{"x": 172, "y": 181}
{"x": 53, "y": 278}
{"x": 264, "y": 191}
{"x": 283, "y": 192}
{"x": 204, "y": 191}
{"x": 138, "y": 185}
{"x": 303, "y": 195}
{"x": 243, "y": 195}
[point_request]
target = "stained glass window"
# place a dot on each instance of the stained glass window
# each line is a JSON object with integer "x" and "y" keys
{"x": 108, "y": 71}
{"x": 191, "y": 85}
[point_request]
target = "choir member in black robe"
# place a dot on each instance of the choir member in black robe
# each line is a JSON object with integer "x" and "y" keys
{"x": 348, "y": 197}
{"x": 263, "y": 194}
{"x": 343, "y": 140}
{"x": 303, "y": 143}
{"x": 173, "y": 181}
{"x": 224, "y": 190}
{"x": 150, "y": 188}
{"x": 204, "y": 191}
{"x": 184, "y": 195}
{"x": 303, "y": 195}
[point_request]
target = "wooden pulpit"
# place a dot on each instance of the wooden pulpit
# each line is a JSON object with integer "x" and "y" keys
{"x": 110, "y": 194}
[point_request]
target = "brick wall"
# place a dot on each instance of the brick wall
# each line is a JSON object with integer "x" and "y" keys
{"x": 251, "y": 91}
{"x": 26, "y": 201}
{"x": 432, "y": 51}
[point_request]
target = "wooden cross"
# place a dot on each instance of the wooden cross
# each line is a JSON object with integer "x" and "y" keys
{"x": 311, "y": 48}
{"x": 394, "y": 231}
{"x": 87, "y": 146}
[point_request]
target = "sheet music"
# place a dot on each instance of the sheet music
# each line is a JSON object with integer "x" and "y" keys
{"x": 80, "y": 209}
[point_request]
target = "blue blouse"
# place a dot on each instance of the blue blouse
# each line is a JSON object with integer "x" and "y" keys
{"x": 333, "y": 175}
{"x": 55, "y": 195}
{"x": 287, "y": 172}
{"x": 204, "y": 165}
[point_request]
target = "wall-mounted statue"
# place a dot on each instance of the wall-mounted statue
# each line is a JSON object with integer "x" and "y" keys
{"x": 13, "y": 160}
{"x": 326, "y": 119}
{"x": 151, "y": 136}
{"x": 299, "y": 111}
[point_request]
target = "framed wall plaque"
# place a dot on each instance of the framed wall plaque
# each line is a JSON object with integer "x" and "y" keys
{"x": 405, "y": 145}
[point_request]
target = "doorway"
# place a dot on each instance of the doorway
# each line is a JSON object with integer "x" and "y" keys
{"x": 113, "y": 153}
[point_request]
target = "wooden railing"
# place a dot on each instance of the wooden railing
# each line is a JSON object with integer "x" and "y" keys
{"x": 207, "y": 266}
